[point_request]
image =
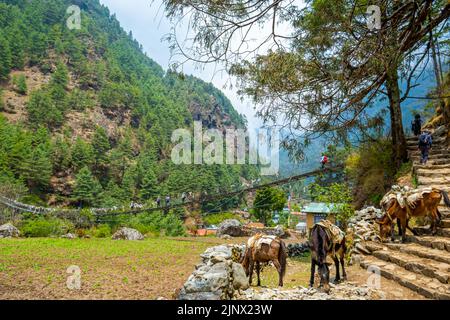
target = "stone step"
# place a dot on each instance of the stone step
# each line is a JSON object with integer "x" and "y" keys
{"x": 435, "y": 242}
{"x": 433, "y": 173}
{"x": 434, "y": 150}
{"x": 443, "y": 232}
{"x": 433, "y": 159}
{"x": 426, "y": 286}
{"x": 424, "y": 266}
{"x": 421, "y": 251}
{"x": 436, "y": 141}
{"x": 446, "y": 188}
{"x": 443, "y": 180}
{"x": 418, "y": 166}
{"x": 431, "y": 162}
{"x": 445, "y": 223}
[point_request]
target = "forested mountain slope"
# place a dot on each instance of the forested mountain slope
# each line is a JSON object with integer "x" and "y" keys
{"x": 86, "y": 117}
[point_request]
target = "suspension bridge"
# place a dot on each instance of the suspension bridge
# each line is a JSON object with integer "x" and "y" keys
{"x": 112, "y": 211}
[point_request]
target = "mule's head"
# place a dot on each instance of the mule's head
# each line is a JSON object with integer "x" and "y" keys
{"x": 324, "y": 273}
{"x": 385, "y": 227}
{"x": 245, "y": 261}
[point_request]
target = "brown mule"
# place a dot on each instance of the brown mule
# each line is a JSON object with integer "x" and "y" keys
{"x": 426, "y": 206}
{"x": 258, "y": 252}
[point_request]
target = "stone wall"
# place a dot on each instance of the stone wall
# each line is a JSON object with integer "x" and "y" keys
{"x": 218, "y": 277}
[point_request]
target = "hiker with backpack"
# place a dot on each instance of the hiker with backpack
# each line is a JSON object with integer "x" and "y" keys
{"x": 425, "y": 143}
{"x": 416, "y": 125}
{"x": 324, "y": 160}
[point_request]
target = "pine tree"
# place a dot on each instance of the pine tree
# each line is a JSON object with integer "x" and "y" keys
{"x": 86, "y": 187}
{"x": 149, "y": 188}
{"x": 17, "y": 46}
{"x": 100, "y": 145}
{"x": 20, "y": 84}
{"x": 37, "y": 169}
{"x": 82, "y": 154}
{"x": 5, "y": 58}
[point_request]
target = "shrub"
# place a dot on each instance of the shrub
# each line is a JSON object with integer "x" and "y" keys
{"x": 218, "y": 218}
{"x": 45, "y": 227}
{"x": 20, "y": 84}
{"x": 157, "y": 223}
{"x": 100, "y": 231}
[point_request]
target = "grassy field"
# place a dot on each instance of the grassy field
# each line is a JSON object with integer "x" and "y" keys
{"x": 37, "y": 268}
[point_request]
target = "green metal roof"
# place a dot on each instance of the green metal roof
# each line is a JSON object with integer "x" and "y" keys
{"x": 320, "y": 207}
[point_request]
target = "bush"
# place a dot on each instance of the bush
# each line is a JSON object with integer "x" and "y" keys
{"x": 100, "y": 231}
{"x": 157, "y": 223}
{"x": 20, "y": 84}
{"x": 45, "y": 227}
{"x": 218, "y": 218}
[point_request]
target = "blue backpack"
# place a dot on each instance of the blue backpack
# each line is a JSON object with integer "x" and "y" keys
{"x": 424, "y": 140}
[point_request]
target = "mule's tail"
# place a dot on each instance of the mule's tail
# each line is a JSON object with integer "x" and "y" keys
{"x": 282, "y": 257}
{"x": 446, "y": 198}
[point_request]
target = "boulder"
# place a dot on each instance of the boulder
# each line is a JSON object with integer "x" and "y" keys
{"x": 231, "y": 227}
{"x": 279, "y": 231}
{"x": 218, "y": 277}
{"x": 127, "y": 234}
{"x": 9, "y": 231}
{"x": 69, "y": 236}
{"x": 298, "y": 249}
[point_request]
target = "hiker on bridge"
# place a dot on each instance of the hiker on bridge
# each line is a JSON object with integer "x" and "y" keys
{"x": 324, "y": 160}
{"x": 425, "y": 143}
{"x": 416, "y": 125}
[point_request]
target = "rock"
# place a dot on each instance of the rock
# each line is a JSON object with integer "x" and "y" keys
{"x": 69, "y": 236}
{"x": 240, "y": 280}
{"x": 279, "y": 231}
{"x": 440, "y": 131}
{"x": 298, "y": 249}
{"x": 218, "y": 277}
{"x": 231, "y": 227}
{"x": 226, "y": 237}
{"x": 9, "y": 231}
{"x": 342, "y": 291}
{"x": 127, "y": 234}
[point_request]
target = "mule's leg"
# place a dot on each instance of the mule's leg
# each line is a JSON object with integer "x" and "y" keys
{"x": 344, "y": 274}
{"x": 277, "y": 265}
{"x": 399, "y": 226}
{"x": 403, "y": 227}
{"x": 313, "y": 271}
{"x": 258, "y": 269}
{"x": 252, "y": 264}
{"x": 337, "y": 279}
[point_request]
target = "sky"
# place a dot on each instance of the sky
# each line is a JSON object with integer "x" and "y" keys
{"x": 146, "y": 20}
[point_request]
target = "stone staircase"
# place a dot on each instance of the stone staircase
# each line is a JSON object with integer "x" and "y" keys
{"x": 422, "y": 264}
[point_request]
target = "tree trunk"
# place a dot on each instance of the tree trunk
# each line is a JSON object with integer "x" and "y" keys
{"x": 399, "y": 151}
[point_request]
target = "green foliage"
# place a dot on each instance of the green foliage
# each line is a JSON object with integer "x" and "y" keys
{"x": 87, "y": 188}
{"x": 101, "y": 65}
{"x": 338, "y": 197}
{"x": 267, "y": 201}
{"x": 5, "y": 58}
{"x": 100, "y": 231}
{"x": 44, "y": 227}
{"x": 371, "y": 171}
{"x": 157, "y": 223}
{"x": 42, "y": 110}
{"x": 217, "y": 218}
{"x": 20, "y": 84}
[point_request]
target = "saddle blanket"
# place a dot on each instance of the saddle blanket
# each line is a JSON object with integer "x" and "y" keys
{"x": 259, "y": 239}
{"x": 405, "y": 196}
{"x": 336, "y": 234}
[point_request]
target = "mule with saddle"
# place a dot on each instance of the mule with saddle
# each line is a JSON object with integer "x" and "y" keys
{"x": 327, "y": 243}
{"x": 402, "y": 205}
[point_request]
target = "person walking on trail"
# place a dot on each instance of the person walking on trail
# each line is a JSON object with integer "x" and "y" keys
{"x": 167, "y": 201}
{"x": 158, "y": 202}
{"x": 425, "y": 143}
{"x": 324, "y": 160}
{"x": 183, "y": 197}
{"x": 416, "y": 125}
